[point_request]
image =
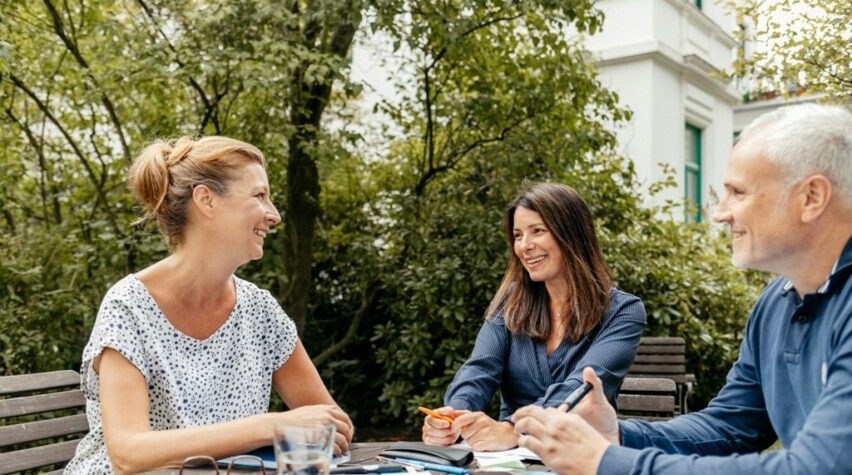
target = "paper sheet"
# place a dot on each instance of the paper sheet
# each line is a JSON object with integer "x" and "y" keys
{"x": 520, "y": 453}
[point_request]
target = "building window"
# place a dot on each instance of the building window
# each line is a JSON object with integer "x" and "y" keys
{"x": 692, "y": 174}
{"x": 697, "y": 3}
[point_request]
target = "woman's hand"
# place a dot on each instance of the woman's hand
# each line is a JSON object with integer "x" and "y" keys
{"x": 322, "y": 414}
{"x": 440, "y": 432}
{"x": 483, "y": 433}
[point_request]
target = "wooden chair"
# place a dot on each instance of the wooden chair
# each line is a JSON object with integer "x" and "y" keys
{"x": 43, "y": 418}
{"x": 650, "y": 399}
{"x": 665, "y": 357}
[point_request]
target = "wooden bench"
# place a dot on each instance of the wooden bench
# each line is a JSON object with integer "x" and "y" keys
{"x": 651, "y": 399}
{"x": 665, "y": 357}
{"x": 43, "y": 418}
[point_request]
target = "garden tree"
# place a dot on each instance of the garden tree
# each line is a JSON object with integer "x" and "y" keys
{"x": 489, "y": 80}
{"x": 399, "y": 254}
{"x": 502, "y": 95}
{"x": 803, "y": 45}
{"x": 84, "y": 85}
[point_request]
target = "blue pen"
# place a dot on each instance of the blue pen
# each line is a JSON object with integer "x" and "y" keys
{"x": 433, "y": 466}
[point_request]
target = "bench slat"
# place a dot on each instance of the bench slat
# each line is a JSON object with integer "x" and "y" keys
{"x": 37, "y": 457}
{"x": 661, "y": 340}
{"x": 665, "y": 350}
{"x": 679, "y": 379}
{"x": 658, "y": 358}
{"x": 39, "y": 381}
{"x": 42, "y": 403}
{"x": 38, "y": 430}
{"x": 646, "y": 403}
{"x": 657, "y": 369}
{"x": 657, "y": 385}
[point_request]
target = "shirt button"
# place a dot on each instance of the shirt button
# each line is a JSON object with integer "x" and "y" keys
{"x": 802, "y": 318}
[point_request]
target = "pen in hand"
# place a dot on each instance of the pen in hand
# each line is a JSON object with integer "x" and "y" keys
{"x": 576, "y": 396}
{"x": 436, "y": 415}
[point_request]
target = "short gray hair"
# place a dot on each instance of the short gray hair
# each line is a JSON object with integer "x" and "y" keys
{"x": 807, "y": 139}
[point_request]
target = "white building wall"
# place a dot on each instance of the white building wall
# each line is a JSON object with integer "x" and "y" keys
{"x": 658, "y": 55}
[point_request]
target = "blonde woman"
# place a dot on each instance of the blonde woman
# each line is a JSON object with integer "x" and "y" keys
{"x": 183, "y": 354}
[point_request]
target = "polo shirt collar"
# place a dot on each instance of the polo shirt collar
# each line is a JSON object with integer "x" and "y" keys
{"x": 842, "y": 262}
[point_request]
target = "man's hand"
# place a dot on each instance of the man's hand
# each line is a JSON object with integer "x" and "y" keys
{"x": 484, "y": 434}
{"x": 565, "y": 442}
{"x": 596, "y": 410}
{"x": 575, "y": 442}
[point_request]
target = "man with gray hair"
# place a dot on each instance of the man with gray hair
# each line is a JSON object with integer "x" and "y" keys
{"x": 788, "y": 203}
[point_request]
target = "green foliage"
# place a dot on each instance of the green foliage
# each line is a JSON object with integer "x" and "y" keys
{"x": 801, "y": 46}
{"x": 409, "y": 244}
{"x": 52, "y": 284}
{"x": 684, "y": 276}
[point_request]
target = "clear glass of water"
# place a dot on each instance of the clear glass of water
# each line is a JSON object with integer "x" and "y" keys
{"x": 304, "y": 449}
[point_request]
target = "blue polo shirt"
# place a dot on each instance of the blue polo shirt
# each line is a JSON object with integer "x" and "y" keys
{"x": 792, "y": 381}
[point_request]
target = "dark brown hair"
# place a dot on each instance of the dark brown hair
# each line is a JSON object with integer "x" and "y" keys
{"x": 524, "y": 303}
{"x": 164, "y": 174}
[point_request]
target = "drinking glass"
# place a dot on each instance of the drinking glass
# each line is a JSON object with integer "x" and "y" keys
{"x": 304, "y": 449}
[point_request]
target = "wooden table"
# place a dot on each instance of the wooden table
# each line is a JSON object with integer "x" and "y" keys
{"x": 361, "y": 452}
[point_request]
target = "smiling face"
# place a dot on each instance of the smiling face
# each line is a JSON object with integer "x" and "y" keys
{"x": 247, "y": 214}
{"x": 759, "y": 209}
{"x": 535, "y": 246}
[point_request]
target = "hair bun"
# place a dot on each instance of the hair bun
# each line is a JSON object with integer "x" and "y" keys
{"x": 149, "y": 176}
{"x": 179, "y": 151}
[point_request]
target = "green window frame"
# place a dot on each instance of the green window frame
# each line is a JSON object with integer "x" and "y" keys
{"x": 692, "y": 174}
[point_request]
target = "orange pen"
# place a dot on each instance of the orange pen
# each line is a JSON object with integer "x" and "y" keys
{"x": 430, "y": 412}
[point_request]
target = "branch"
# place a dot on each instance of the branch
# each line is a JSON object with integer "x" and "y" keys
{"x": 451, "y": 163}
{"x": 75, "y": 51}
{"x": 827, "y": 71}
{"x": 430, "y": 127}
{"x": 77, "y": 151}
{"x": 208, "y": 106}
{"x": 319, "y": 92}
{"x": 367, "y": 294}
{"x": 443, "y": 51}
{"x": 41, "y": 160}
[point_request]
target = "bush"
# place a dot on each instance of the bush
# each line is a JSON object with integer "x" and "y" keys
{"x": 684, "y": 276}
{"x": 435, "y": 301}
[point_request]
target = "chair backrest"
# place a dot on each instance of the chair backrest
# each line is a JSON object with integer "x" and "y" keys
{"x": 665, "y": 357}
{"x": 660, "y": 357}
{"x": 650, "y": 399}
{"x": 43, "y": 418}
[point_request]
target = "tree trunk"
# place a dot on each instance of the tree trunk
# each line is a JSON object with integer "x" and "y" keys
{"x": 303, "y": 185}
{"x": 303, "y": 190}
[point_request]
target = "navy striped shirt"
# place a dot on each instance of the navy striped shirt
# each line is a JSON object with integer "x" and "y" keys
{"x": 525, "y": 374}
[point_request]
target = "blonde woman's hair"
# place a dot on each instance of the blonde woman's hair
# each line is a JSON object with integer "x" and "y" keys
{"x": 165, "y": 173}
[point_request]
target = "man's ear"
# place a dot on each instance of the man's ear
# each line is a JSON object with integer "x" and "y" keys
{"x": 816, "y": 194}
{"x": 202, "y": 199}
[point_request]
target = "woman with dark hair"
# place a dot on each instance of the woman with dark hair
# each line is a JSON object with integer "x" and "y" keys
{"x": 555, "y": 313}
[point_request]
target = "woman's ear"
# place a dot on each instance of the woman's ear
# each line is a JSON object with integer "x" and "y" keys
{"x": 202, "y": 199}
